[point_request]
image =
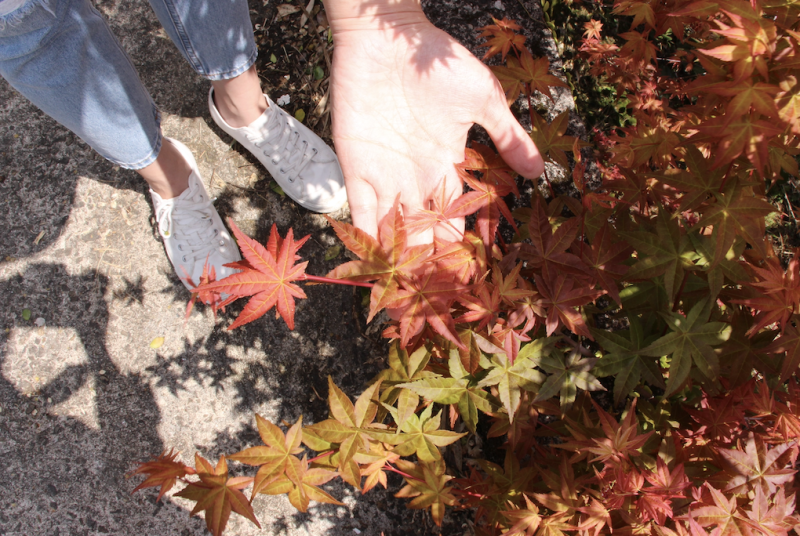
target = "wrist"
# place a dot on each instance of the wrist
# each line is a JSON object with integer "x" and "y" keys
{"x": 359, "y": 15}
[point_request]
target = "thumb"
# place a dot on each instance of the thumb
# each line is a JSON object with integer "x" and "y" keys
{"x": 511, "y": 140}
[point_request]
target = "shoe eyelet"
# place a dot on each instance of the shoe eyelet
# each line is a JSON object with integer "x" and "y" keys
{"x": 184, "y": 259}
{"x": 274, "y": 162}
{"x": 282, "y": 171}
{"x": 315, "y": 151}
{"x": 216, "y": 232}
{"x": 180, "y": 247}
{"x": 221, "y": 242}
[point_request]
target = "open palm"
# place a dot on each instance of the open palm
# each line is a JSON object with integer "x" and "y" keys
{"x": 404, "y": 99}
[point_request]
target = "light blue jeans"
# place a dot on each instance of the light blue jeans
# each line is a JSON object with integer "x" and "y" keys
{"x": 61, "y": 55}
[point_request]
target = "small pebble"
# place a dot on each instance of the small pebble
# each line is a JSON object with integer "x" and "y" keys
{"x": 39, "y": 322}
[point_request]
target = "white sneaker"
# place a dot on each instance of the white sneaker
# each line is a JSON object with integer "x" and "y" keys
{"x": 300, "y": 162}
{"x": 192, "y": 230}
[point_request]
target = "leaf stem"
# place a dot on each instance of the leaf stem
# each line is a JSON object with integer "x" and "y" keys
{"x": 323, "y": 455}
{"x": 393, "y": 469}
{"x": 320, "y": 279}
{"x": 725, "y": 178}
{"x": 549, "y": 184}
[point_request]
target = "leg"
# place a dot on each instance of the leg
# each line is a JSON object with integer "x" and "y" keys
{"x": 100, "y": 98}
{"x": 66, "y": 61}
{"x": 217, "y": 41}
{"x": 216, "y": 38}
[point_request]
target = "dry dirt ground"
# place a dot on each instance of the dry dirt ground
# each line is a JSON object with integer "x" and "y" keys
{"x": 85, "y": 287}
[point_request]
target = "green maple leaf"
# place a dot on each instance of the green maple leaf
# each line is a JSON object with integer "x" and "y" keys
{"x": 623, "y": 360}
{"x": 741, "y": 354}
{"x": 403, "y": 368}
{"x": 698, "y": 182}
{"x": 511, "y": 377}
{"x": 567, "y": 374}
{"x": 550, "y": 139}
{"x": 736, "y": 212}
{"x": 344, "y": 431}
{"x": 420, "y": 435}
{"x": 690, "y": 341}
{"x": 461, "y": 389}
{"x": 666, "y": 253}
{"x": 717, "y": 271}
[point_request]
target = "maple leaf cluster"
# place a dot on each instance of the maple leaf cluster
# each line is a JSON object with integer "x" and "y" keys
{"x": 660, "y": 282}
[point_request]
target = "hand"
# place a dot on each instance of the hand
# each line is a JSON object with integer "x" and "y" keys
{"x": 405, "y": 95}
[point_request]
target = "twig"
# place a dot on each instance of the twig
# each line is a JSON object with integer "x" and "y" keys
{"x": 322, "y": 42}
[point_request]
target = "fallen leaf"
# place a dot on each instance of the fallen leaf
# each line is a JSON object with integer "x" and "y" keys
{"x": 286, "y": 10}
{"x": 157, "y": 343}
{"x": 26, "y": 314}
{"x": 300, "y": 114}
{"x": 332, "y": 252}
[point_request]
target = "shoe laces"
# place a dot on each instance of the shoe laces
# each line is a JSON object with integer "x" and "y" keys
{"x": 189, "y": 223}
{"x": 285, "y": 147}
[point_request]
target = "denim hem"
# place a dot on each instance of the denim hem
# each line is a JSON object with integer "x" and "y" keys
{"x": 233, "y": 73}
{"x": 16, "y": 16}
{"x": 152, "y": 155}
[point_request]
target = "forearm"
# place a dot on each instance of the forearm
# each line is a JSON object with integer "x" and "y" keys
{"x": 352, "y": 15}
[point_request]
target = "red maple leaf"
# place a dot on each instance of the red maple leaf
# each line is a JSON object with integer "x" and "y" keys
{"x": 502, "y": 36}
{"x": 560, "y": 296}
{"x": 266, "y": 277}
{"x": 756, "y": 466}
{"x": 774, "y": 293}
{"x": 465, "y": 259}
{"x": 492, "y": 167}
{"x": 164, "y": 471}
{"x": 548, "y": 250}
{"x": 604, "y": 260}
{"x": 725, "y": 514}
{"x": 208, "y": 297}
{"x": 428, "y": 299}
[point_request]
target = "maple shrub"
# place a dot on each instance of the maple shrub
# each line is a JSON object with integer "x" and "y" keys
{"x": 661, "y": 280}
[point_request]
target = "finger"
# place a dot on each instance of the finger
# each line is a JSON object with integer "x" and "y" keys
{"x": 511, "y": 140}
{"x": 453, "y": 230}
{"x": 363, "y": 205}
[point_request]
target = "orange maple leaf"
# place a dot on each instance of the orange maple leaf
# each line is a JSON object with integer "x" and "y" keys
{"x": 217, "y": 494}
{"x": 164, "y": 471}
{"x": 387, "y": 260}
